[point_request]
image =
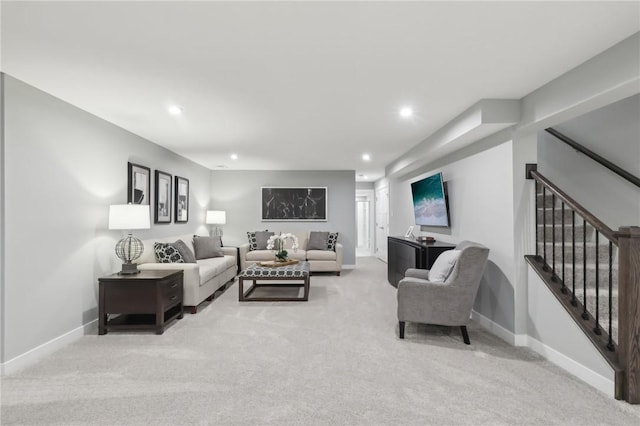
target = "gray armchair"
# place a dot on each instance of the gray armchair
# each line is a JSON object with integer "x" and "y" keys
{"x": 447, "y": 303}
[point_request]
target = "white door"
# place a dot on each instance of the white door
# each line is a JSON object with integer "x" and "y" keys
{"x": 365, "y": 225}
{"x": 382, "y": 221}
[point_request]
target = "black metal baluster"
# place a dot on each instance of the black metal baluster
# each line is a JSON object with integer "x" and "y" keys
{"x": 564, "y": 286}
{"x": 574, "y": 301}
{"x": 597, "y": 329}
{"x": 544, "y": 229}
{"x": 554, "y": 277}
{"x": 585, "y": 315}
{"x": 537, "y": 221}
{"x": 610, "y": 345}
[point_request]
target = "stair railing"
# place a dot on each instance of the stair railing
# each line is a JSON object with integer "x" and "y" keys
{"x": 623, "y": 353}
{"x": 595, "y": 157}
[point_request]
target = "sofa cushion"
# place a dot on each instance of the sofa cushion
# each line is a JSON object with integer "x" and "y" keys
{"x": 214, "y": 266}
{"x": 332, "y": 240}
{"x": 318, "y": 240}
{"x": 185, "y": 251}
{"x": 443, "y": 266}
{"x": 167, "y": 253}
{"x": 207, "y": 247}
{"x": 321, "y": 255}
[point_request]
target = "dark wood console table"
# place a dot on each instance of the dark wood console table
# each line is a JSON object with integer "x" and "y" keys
{"x": 404, "y": 253}
{"x": 147, "y": 300}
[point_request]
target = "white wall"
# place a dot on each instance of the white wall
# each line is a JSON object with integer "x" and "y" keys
{"x": 63, "y": 168}
{"x": 554, "y": 334}
{"x": 239, "y": 194}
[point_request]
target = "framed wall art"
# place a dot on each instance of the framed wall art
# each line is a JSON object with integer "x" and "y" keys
{"x": 162, "y": 197}
{"x": 296, "y": 204}
{"x": 181, "y": 203}
{"x": 138, "y": 184}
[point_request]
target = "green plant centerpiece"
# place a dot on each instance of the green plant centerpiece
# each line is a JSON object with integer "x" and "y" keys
{"x": 276, "y": 243}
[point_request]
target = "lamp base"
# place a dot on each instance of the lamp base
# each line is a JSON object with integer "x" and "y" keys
{"x": 129, "y": 269}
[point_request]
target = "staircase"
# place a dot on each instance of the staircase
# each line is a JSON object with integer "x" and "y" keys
{"x": 574, "y": 261}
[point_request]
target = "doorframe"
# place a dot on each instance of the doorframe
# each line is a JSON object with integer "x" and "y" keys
{"x": 378, "y": 244}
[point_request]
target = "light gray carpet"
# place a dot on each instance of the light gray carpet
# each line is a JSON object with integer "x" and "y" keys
{"x": 334, "y": 360}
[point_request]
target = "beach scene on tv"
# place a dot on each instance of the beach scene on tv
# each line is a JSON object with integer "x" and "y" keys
{"x": 429, "y": 204}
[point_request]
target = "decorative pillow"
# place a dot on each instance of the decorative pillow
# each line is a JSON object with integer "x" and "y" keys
{"x": 185, "y": 251}
{"x": 332, "y": 240}
{"x": 167, "y": 253}
{"x": 318, "y": 241}
{"x": 207, "y": 247}
{"x": 442, "y": 267}
{"x": 262, "y": 237}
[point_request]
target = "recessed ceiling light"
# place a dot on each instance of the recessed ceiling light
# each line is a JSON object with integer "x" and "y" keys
{"x": 366, "y": 157}
{"x": 175, "y": 110}
{"x": 234, "y": 156}
{"x": 406, "y": 112}
{"x": 362, "y": 176}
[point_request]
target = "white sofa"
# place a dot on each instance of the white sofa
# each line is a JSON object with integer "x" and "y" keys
{"x": 201, "y": 279}
{"x": 319, "y": 260}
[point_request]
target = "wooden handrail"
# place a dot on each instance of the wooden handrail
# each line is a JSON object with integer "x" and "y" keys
{"x": 595, "y": 157}
{"x": 584, "y": 213}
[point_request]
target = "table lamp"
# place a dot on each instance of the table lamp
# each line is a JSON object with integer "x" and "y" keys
{"x": 129, "y": 217}
{"x": 216, "y": 217}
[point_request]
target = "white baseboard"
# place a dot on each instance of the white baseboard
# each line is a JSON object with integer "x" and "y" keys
{"x": 348, "y": 266}
{"x": 603, "y": 384}
{"x": 500, "y": 331}
{"x": 46, "y": 349}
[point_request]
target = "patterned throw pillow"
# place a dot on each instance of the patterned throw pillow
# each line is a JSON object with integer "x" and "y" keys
{"x": 167, "y": 253}
{"x": 332, "y": 240}
{"x": 253, "y": 243}
{"x": 258, "y": 239}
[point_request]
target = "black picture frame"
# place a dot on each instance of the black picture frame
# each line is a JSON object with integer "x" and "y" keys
{"x": 163, "y": 197}
{"x": 294, "y": 204}
{"x": 181, "y": 201}
{"x": 138, "y": 184}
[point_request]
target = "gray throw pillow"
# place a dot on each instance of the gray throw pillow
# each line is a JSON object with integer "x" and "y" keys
{"x": 318, "y": 241}
{"x": 207, "y": 247}
{"x": 185, "y": 251}
{"x": 261, "y": 239}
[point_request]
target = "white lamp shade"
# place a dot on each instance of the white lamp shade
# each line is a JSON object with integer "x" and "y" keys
{"x": 216, "y": 217}
{"x": 129, "y": 216}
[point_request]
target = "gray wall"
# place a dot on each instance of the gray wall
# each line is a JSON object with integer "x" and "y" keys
{"x": 479, "y": 181}
{"x": 612, "y": 132}
{"x": 63, "y": 168}
{"x": 238, "y": 193}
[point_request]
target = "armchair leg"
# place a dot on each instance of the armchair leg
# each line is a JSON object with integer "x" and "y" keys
{"x": 401, "y": 329}
{"x": 465, "y": 334}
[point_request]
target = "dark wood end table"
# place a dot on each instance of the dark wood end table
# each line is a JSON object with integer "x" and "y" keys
{"x": 147, "y": 300}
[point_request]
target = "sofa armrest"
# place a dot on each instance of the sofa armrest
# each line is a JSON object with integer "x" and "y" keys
{"x": 230, "y": 251}
{"x": 242, "y": 253}
{"x": 339, "y": 255}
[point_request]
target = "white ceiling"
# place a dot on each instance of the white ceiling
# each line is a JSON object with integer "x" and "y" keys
{"x": 298, "y": 85}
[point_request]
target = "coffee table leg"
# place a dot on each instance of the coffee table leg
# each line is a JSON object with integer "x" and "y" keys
{"x": 240, "y": 289}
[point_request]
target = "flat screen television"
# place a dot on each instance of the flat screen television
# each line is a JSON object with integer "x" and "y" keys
{"x": 430, "y": 204}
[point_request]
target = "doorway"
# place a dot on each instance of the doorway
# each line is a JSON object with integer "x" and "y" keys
{"x": 382, "y": 222}
{"x": 364, "y": 222}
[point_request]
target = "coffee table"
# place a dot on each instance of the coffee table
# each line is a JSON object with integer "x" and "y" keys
{"x": 296, "y": 275}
